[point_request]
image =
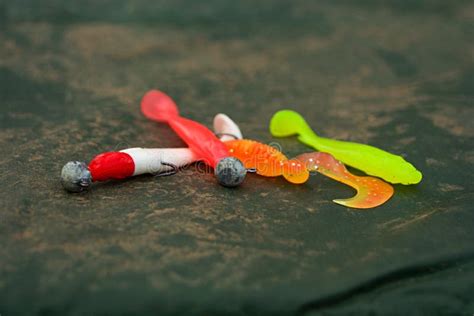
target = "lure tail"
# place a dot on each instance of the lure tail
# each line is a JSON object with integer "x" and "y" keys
{"x": 371, "y": 192}
{"x": 225, "y": 128}
{"x": 287, "y": 123}
{"x": 158, "y": 106}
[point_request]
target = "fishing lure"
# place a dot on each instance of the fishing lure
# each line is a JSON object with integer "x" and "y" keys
{"x": 371, "y": 191}
{"x": 76, "y": 176}
{"x": 267, "y": 161}
{"x": 229, "y": 171}
{"x": 371, "y": 160}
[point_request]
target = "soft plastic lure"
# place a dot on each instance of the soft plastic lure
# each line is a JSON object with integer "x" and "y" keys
{"x": 371, "y": 160}
{"x": 371, "y": 191}
{"x": 267, "y": 161}
{"x": 76, "y": 176}
{"x": 229, "y": 171}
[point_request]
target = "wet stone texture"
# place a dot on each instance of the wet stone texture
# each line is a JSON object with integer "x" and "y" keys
{"x": 395, "y": 74}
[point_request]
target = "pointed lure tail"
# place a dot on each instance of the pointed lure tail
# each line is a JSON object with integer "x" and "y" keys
{"x": 371, "y": 191}
{"x": 158, "y": 106}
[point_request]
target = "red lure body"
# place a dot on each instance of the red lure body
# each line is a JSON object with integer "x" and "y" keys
{"x": 158, "y": 106}
{"x": 200, "y": 140}
{"x": 111, "y": 165}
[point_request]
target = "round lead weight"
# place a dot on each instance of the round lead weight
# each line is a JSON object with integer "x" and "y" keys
{"x": 75, "y": 176}
{"x": 230, "y": 172}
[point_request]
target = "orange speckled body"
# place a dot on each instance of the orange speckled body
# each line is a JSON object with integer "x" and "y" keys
{"x": 267, "y": 161}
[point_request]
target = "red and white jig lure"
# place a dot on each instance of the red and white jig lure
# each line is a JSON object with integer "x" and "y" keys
{"x": 76, "y": 176}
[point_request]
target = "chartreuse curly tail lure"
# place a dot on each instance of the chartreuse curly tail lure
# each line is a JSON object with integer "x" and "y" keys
{"x": 371, "y": 192}
{"x": 371, "y": 160}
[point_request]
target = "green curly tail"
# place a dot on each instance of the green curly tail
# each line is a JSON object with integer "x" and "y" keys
{"x": 287, "y": 123}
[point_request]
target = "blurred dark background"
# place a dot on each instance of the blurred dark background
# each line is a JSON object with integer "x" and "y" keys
{"x": 396, "y": 74}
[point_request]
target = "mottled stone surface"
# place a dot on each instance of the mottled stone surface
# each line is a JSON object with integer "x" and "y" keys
{"x": 395, "y": 74}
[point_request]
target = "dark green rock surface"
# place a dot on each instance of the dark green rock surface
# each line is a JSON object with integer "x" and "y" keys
{"x": 395, "y": 74}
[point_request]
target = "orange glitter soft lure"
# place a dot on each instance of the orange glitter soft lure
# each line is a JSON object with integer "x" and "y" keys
{"x": 371, "y": 191}
{"x": 267, "y": 161}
